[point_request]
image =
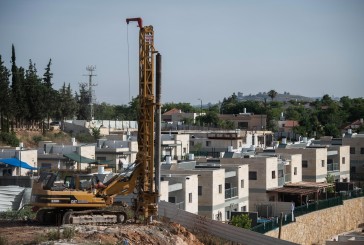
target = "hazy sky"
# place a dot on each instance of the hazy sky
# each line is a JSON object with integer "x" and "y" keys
{"x": 210, "y": 49}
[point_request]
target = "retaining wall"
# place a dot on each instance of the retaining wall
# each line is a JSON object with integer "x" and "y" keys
{"x": 317, "y": 227}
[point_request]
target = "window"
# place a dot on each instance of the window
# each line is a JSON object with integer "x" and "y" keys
{"x": 208, "y": 143}
{"x": 172, "y": 199}
{"x": 243, "y": 125}
{"x": 220, "y": 188}
{"x": 46, "y": 165}
{"x": 352, "y": 150}
{"x": 343, "y": 160}
{"x": 252, "y": 175}
{"x": 295, "y": 170}
{"x": 280, "y": 174}
{"x": 190, "y": 197}
{"x": 243, "y": 209}
{"x": 242, "y": 183}
{"x": 200, "y": 190}
{"x": 192, "y": 143}
{"x": 362, "y": 150}
{"x": 304, "y": 164}
{"x": 273, "y": 174}
{"x": 322, "y": 163}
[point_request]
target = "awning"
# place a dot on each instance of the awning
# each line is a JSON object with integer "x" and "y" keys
{"x": 17, "y": 163}
{"x": 80, "y": 159}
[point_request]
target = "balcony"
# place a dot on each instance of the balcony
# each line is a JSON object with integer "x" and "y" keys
{"x": 331, "y": 167}
{"x": 232, "y": 192}
{"x": 281, "y": 181}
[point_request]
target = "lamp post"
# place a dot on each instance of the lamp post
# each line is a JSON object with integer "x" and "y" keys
{"x": 200, "y": 111}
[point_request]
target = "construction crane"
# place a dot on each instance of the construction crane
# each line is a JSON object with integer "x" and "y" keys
{"x": 77, "y": 201}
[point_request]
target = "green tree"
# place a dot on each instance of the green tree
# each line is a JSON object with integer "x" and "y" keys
{"x": 17, "y": 90}
{"x": 66, "y": 103}
{"x": 5, "y": 105}
{"x": 272, "y": 94}
{"x": 241, "y": 221}
{"x": 83, "y": 101}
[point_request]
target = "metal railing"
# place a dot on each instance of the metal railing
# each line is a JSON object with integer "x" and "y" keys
{"x": 333, "y": 167}
{"x": 230, "y": 193}
{"x": 308, "y": 208}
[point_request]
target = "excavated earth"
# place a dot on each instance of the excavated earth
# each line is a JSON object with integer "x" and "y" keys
{"x": 25, "y": 232}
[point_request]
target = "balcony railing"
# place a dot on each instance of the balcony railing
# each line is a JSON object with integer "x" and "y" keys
{"x": 281, "y": 181}
{"x": 333, "y": 167}
{"x": 232, "y": 192}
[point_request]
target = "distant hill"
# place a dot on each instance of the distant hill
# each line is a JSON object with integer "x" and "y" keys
{"x": 286, "y": 96}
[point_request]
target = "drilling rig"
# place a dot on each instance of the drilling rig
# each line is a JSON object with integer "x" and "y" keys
{"x": 77, "y": 203}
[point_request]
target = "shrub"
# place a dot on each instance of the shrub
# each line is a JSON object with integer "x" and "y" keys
{"x": 3, "y": 241}
{"x": 242, "y": 221}
{"x": 9, "y": 139}
{"x": 68, "y": 232}
{"x": 53, "y": 235}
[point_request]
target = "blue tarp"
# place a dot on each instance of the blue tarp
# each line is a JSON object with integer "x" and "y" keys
{"x": 17, "y": 163}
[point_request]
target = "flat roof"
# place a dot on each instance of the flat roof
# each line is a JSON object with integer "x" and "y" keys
{"x": 293, "y": 190}
{"x": 303, "y": 184}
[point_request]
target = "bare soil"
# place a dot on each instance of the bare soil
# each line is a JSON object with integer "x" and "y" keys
{"x": 25, "y": 232}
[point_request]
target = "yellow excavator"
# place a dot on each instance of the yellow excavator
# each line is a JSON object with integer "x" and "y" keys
{"x": 76, "y": 200}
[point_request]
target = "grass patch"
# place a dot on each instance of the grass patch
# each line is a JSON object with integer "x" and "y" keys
{"x": 25, "y": 213}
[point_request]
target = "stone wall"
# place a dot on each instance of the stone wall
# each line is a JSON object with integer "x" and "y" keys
{"x": 317, "y": 227}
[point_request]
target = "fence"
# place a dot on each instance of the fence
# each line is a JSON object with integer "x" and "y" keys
{"x": 308, "y": 208}
{"x": 205, "y": 225}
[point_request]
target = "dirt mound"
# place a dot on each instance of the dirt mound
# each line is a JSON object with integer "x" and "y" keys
{"x": 12, "y": 233}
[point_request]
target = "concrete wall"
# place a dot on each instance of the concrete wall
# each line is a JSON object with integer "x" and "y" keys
{"x": 316, "y": 227}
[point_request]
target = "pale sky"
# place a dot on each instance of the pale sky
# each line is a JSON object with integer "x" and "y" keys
{"x": 210, "y": 49}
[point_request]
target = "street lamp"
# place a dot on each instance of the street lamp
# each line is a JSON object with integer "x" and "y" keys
{"x": 200, "y": 112}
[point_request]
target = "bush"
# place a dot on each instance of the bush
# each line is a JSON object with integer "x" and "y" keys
{"x": 9, "y": 139}
{"x": 3, "y": 241}
{"x": 25, "y": 213}
{"x": 53, "y": 235}
{"x": 68, "y": 232}
{"x": 242, "y": 221}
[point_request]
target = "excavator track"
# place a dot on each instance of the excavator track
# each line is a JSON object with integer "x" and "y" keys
{"x": 85, "y": 217}
{"x": 94, "y": 217}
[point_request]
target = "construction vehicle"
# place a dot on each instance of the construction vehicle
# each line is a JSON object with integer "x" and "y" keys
{"x": 76, "y": 200}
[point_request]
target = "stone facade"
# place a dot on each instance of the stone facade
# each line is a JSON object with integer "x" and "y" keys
{"x": 317, "y": 227}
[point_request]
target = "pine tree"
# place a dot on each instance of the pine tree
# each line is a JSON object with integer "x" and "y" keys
{"x": 5, "y": 97}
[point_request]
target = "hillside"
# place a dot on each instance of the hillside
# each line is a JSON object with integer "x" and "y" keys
{"x": 23, "y": 232}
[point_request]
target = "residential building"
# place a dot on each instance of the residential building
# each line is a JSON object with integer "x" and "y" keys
{"x": 17, "y": 161}
{"x": 356, "y": 145}
{"x": 246, "y": 121}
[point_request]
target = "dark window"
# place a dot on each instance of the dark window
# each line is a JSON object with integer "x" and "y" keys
{"x": 343, "y": 160}
{"x": 220, "y": 188}
{"x": 280, "y": 174}
{"x": 295, "y": 170}
{"x": 172, "y": 199}
{"x": 208, "y": 143}
{"x": 243, "y": 125}
{"x": 252, "y": 175}
{"x": 273, "y": 174}
{"x": 362, "y": 150}
{"x": 200, "y": 190}
{"x": 304, "y": 164}
{"x": 190, "y": 197}
{"x": 322, "y": 163}
{"x": 242, "y": 183}
{"x": 352, "y": 150}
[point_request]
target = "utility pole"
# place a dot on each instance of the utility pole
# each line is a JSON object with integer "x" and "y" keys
{"x": 91, "y": 92}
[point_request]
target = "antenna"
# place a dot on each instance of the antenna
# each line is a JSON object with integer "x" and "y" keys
{"x": 91, "y": 92}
